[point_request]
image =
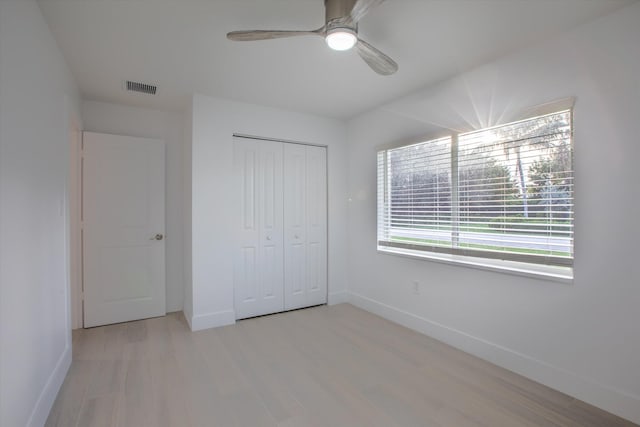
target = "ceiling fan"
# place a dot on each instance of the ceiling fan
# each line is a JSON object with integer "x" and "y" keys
{"x": 340, "y": 32}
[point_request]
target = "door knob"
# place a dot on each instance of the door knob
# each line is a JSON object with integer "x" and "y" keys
{"x": 268, "y": 237}
{"x": 157, "y": 237}
{"x": 296, "y": 236}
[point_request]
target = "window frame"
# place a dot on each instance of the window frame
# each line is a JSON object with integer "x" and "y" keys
{"x": 548, "y": 267}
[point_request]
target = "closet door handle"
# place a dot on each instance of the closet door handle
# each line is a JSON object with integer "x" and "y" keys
{"x": 268, "y": 237}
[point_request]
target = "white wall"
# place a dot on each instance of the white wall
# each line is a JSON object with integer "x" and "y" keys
{"x": 169, "y": 126}
{"x": 37, "y": 99}
{"x": 580, "y": 338}
{"x": 214, "y": 123}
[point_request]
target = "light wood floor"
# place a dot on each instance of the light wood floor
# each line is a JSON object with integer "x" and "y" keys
{"x": 326, "y": 366}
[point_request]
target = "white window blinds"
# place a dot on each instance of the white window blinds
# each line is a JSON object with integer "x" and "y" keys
{"x": 505, "y": 192}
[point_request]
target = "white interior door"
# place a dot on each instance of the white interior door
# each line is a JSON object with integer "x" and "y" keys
{"x": 305, "y": 219}
{"x": 258, "y": 257}
{"x": 123, "y": 206}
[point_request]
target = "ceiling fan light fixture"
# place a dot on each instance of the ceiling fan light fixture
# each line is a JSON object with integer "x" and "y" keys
{"x": 340, "y": 32}
{"x": 341, "y": 38}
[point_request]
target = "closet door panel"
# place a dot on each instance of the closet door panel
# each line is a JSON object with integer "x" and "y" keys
{"x": 271, "y": 227}
{"x": 258, "y": 258}
{"x": 246, "y": 251}
{"x": 295, "y": 208}
{"x": 248, "y": 276}
{"x": 305, "y": 211}
{"x": 316, "y": 200}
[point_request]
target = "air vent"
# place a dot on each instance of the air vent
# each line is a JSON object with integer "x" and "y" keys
{"x": 140, "y": 87}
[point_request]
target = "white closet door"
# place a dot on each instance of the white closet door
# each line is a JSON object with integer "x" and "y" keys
{"x": 305, "y": 226}
{"x": 258, "y": 258}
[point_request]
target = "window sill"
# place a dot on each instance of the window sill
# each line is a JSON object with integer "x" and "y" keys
{"x": 546, "y": 272}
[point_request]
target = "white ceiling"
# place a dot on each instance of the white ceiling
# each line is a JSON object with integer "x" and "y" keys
{"x": 180, "y": 45}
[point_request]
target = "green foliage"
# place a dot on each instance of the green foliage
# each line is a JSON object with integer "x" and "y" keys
{"x": 484, "y": 187}
{"x": 551, "y": 184}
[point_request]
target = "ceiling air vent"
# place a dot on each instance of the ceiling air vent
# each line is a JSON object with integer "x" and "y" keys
{"x": 140, "y": 87}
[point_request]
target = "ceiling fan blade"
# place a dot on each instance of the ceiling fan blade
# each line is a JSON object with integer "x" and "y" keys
{"x": 244, "y": 36}
{"x": 378, "y": 61}
{"x": 361, "y": 8}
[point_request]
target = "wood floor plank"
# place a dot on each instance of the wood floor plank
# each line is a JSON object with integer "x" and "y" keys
{"x": 108, "y": 377}
{"x": 168, "y": 398}
{"x": 298, "y": 421}
{"x": 335, "y": 366}
{"x": 136, "y": 405}
{"x": 99, "y": 411}
{"x": 66, "y": 409}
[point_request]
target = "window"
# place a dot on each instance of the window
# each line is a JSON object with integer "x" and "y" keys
{"x": 502, "y": 193}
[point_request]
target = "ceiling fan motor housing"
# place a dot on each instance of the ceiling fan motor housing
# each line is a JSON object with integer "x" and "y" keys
{"x": 337, "y": 13}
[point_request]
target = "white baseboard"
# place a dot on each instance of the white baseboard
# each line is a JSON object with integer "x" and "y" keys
{"x": 50, "y": 391}
{"x": 187, "y": 315}
{"x": 608, "y": 398}
{"x": 199, "y": 322}
{"x": 338, "y": 297}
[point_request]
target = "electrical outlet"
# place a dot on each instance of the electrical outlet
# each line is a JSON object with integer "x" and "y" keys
{"x": 416, "y": 287}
